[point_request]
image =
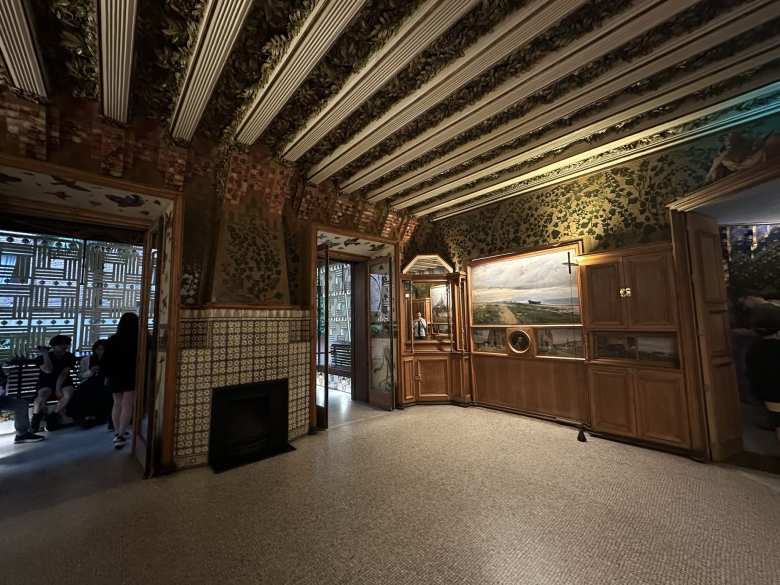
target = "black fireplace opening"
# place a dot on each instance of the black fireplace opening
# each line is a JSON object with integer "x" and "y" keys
{"x": 248, "y": 423}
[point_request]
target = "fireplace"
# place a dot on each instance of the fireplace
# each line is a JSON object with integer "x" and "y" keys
{"x": 248, "y": 423}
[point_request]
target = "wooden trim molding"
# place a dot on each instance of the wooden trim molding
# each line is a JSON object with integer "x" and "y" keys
{"x": 727, "y": 187}
{"x": 37, "y": 166}
{"x": 14, "y": 205}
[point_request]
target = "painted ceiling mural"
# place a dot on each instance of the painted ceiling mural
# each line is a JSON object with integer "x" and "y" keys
{"x": 49, "y": 189}
{"x": 432, "y": 106}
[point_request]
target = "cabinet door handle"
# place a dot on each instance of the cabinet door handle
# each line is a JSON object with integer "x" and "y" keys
{"x": 622, "y": 292}
{"x": 628, "y": 292}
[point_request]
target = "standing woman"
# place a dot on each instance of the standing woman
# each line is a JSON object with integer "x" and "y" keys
{"x": 119, "y": 364}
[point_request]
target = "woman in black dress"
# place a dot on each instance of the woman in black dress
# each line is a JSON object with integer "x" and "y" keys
{"x": 91, "y": 404}
{"x": 119, "y": 364}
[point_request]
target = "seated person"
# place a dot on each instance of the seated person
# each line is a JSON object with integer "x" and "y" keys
{"x": 762, "y": 371}
{"x": 20, "y": 409}
{"x": 91, "y": 403}
{"x": 55, "y": 365}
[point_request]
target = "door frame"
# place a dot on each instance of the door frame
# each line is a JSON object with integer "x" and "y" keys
{"x": 721, "y": 190}
{"x": 161, "y": 460}
{"x": 311, "y": 282}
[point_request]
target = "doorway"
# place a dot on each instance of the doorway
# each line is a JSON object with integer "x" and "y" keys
{"x": 355, "y": 352}
{"x": 733, "y": 239}
{"x": 120, "y": 257}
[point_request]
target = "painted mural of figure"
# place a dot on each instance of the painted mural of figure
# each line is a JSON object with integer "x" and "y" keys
{"x": 420, "y": 327}
{"x": 742, "y": 153}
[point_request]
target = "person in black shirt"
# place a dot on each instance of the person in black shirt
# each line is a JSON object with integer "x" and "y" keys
{"x": 20, "y": 408}
{"x": 92, "y": 403}
{"x": 54, "y": 378}
{"x": 119, "y": 363}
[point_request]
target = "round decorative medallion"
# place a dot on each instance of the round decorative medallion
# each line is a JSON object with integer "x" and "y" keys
{"x": 519, "y": 341}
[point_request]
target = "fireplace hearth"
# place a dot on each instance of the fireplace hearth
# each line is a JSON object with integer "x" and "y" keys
{"x": 248, "y": 423}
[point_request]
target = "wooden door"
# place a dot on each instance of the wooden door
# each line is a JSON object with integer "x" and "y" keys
{"x": 146, "y": 374}
{"x": 408, "y": 379}
{"x": 433, "y": 375}
{"x": 612, "y": 400}
{"x": 718, "y": 372}
{"x": 603, "y": 306}
{"x": 650, "y": 291}
{"x": 661, "y": 408}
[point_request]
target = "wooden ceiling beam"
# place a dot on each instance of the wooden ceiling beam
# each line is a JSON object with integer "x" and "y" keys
{"x": 116, "y": 31}
{"x": 638, "y": 19}
{"x": 613, "y": 82}
{"x": 515, "y": 31}
{"x": 691, "y": 84}
{"x": 219, "y": 28}
{"x": 418, "y": 31}
{"x": 320, "y": 30}
{"x": 19, "y": 49}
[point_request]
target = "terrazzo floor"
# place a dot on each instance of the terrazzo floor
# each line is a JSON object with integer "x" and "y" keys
{"x": 428, "y": 495}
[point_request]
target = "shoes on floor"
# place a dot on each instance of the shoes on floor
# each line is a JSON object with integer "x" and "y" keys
{"x": 120, "y": 440}
{"x": 28, "y": 437}
{"x": 35, "y": 423}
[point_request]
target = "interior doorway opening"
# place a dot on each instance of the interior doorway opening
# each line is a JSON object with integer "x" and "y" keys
{"x": 356, "y": 348}
{"x": 733, "y": 243}
{"x": 749, "y": 224}
{"x": 63, "y": 293}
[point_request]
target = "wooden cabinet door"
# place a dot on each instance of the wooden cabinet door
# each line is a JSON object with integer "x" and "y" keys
{"x": 408, "y": 379}
{"x": 612, "y": 400}
{"x": 661, "y": 408}
{"x": 652, "y": 299}
{"x": 712, "y": 324}
{"x": 536, "y": 386}
{"x": 433, "y": 376}
{"x": 602, "y": 305}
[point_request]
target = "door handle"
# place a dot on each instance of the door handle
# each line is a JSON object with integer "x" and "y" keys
{"x": 624, "y": 292}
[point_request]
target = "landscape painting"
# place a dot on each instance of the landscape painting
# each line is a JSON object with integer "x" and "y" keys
{"x": 539, "y": 289}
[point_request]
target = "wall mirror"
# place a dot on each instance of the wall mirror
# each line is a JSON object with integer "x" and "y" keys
{"x": 429, "y": 310}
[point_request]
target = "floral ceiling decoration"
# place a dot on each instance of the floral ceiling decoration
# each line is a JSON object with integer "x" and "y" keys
{"x": 533, "y": 77}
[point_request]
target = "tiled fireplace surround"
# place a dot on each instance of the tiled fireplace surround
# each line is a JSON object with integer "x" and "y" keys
{"x": 221, "y": 347}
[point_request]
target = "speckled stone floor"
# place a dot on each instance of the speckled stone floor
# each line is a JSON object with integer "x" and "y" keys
{"x": 428, "y": 495}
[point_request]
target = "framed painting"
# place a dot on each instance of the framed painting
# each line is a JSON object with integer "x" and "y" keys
{"x": 538, "y": 288}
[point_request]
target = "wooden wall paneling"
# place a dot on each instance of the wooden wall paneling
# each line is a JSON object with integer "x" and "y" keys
{"x": 537, "y": 386}
{"x": 652, "y": 301}
{"x": 612, "y": 400}
{"x": 661, "y": 408}
{"x": 602, "y": 305}
{"x": 569, "y": 390}
{"x": 433, "y": 378}
{"x": 489, "y": 377}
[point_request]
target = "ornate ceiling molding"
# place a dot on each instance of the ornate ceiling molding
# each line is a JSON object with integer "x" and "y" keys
{"x": 611, "y": 83}
{"x": 221, "y": 23}
{"x": 319, "y": 31}
{"x": 615, "y": 32}
{"x": 733, "y": 112}
{"x": 431, "y": 20}
{"x": 626, "y": 109}
{"x": 19, "y": 50}
{"x": 116, "y": 28}
{"x": 515, "y": 31}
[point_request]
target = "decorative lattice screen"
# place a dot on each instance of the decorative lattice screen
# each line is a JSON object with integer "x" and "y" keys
{"x": 51, "y": 285}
